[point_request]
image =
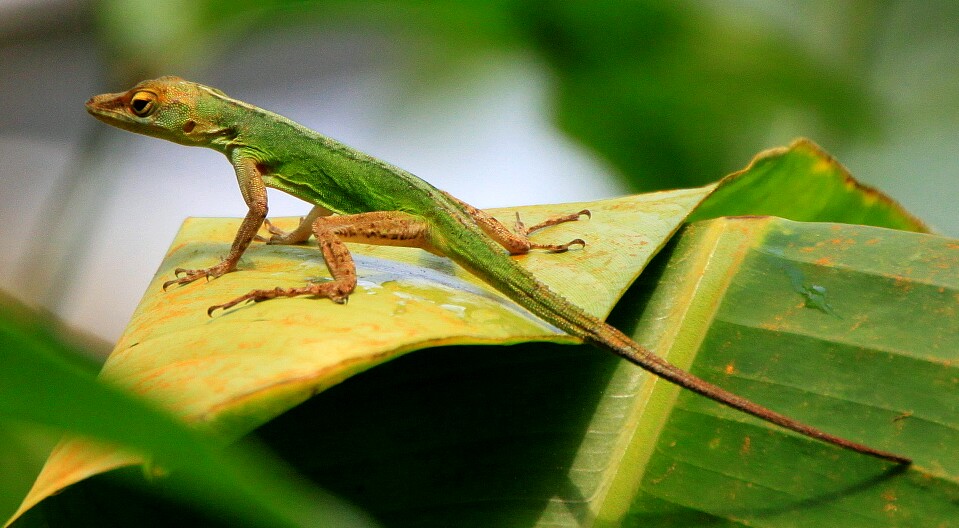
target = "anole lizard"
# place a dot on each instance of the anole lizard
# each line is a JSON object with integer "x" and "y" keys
{"x": 358, "y": 198}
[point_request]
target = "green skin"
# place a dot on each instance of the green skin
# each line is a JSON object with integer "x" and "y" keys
{"x": 374, "y": 202}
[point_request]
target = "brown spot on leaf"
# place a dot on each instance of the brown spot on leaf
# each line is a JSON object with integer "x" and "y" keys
{"x": 902, "y": 416}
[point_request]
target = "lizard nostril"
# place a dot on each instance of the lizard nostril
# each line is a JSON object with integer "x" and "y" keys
{"x": 189, "y": 126}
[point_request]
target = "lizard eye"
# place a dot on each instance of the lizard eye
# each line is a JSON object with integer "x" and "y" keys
{"x": 143, "y": 104}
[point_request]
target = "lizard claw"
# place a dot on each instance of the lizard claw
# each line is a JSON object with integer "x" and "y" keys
{"x": 255, "y": 296}
{"x": 190, "y": 275}
{"x": 562, "y": 248}
{"x": 179, "y": 280}
{"x": 224, "y": 306}
{"x": 330, "y": 290}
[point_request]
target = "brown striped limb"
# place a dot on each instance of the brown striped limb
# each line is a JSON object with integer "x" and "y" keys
{"x": 518, "y": 243}
{"x": 254, "y": 194}
{"x": 384, "y": 228}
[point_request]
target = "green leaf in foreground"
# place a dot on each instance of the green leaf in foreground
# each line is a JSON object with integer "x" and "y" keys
{"x": 23, "y": 448}
{"x": 40, "y": 386}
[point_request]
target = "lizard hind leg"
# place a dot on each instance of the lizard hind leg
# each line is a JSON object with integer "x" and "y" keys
{"x": 551, "y": 221}
{"x": 385, "y": 228}
{"x": 518, "y": 243}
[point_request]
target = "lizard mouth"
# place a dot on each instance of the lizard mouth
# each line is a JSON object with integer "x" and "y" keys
{"x": 105, "y": 104}
{"x": 109, "y": 108}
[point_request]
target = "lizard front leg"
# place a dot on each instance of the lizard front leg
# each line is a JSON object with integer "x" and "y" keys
{"x": 384, "y": 228}
{"x": 254, "y": 194}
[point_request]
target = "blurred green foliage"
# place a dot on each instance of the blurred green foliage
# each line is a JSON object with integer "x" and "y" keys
{"x": 47, "y": 385}
{"x": 671, "y": 94}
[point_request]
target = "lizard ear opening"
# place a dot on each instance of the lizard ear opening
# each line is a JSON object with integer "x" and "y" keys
{"x": 143, "y": 104}
{"x": 204, "y": 129}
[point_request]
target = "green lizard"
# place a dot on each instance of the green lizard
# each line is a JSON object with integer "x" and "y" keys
{"x": 358, "y": 198}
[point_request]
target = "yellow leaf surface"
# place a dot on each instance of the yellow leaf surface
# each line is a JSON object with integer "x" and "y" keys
{"x": 240, "y": 368}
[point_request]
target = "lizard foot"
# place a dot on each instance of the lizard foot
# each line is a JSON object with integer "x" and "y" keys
{"x": 560, "y": 248}
{"x": 281, "y": 237}
{"x": 276, "y": 232}
{"x": 551, "y": 221}
{"x": 330, "y": 290}
{"x": 190, "y": 275}
{"x": 559, "y": 219}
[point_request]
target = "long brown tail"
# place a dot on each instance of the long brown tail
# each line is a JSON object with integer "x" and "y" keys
{"x": 521, "y": 286}
{"x": 617, "y": 342}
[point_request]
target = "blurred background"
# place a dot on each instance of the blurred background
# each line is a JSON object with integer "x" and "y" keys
{"x": 502, "y": 102}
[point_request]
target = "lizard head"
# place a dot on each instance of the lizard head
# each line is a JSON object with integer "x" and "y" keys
{"x": 169, "y": 108}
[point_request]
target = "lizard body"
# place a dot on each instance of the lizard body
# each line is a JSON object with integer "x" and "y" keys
{"x": 378, "y": 203}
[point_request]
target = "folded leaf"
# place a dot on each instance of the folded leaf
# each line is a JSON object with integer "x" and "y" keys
{"x": 803, "y": 182}
{"x": 237, "y": 370}
{"x": 569, "y": 436}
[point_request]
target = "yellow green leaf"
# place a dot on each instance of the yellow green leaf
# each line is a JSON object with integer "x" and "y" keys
{"x": 238, "y": 369}
{"x": 235, "y": 372}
